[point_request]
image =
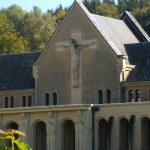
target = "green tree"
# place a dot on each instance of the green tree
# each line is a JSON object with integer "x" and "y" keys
{"x": 122, "y": 5}
{"x": 143, "y": 17}
{"x": 38, "y": 28}
{"x": 15, "y": 14}
{"x": 133, "y": 4}
{"x": 108, "y": 10}
{"x": 92, "y": 5}
{"x": 109, "y": 2}
{"x": 10, "y": 42}
{"x": 144, "y": 3}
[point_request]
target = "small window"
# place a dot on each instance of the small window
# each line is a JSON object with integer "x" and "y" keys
{"x": 108, "y": 96}
{"x": 47, "y": 99}
{"x": 29, "y": 100}
{"x": 6, "y": 102}
{"x": 137, "y": 95}
{"x": 12, "y": 104}
{"x": 100, "y": 97}
{"x": 149, "y": 94}
{"x": 130, "y": 96}
{"x": 54, "y": 98}
{"x": 24, "y": 101}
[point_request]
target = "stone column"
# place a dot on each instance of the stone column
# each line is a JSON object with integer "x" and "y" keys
{"x": 51, "y": 131}
{"x": 79, "y": 130}
{"x": 23, "y": 126}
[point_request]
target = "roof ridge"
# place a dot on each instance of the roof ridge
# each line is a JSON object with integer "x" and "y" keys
{"x": 20, "y": 53}
{"x": 137, "y": 25}
{"x": 89, "y": 15}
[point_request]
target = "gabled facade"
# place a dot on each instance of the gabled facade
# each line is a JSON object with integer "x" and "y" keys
{"x": 84, "y": 91}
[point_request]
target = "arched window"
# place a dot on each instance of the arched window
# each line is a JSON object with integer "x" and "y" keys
{"x": 137, "y": 95}
{"x": 100, "y": 97}
{"x": 29, "y": 100}
{"x": 108, "y": 95}
{"x": 123, "y": 134}
{"x": 24, "y": 101}
{"x": 12, "y": 103}
{"x": 103, "y": 133}
{"x": 145, "y": 133}
{"x": 13, "y": 126}
{"x": 39, "y": 136}
{"x": 47, "y": 99}
{"x": 149, "y": 94}
{"x": 54, "y": 98}
{"x": 6, "y": 102}
{"x": 130, "y": 96}
{"x": 68, "y": 135}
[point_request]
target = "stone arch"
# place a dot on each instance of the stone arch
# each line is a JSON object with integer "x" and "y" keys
{"x": 39, "y": 135}
{"x": 102, "y": 134}
{"x": 123, "y": 134}
{"x": 11, "y": 125}
{"x": 68, "y": 135}
{"x": 145, "y": 133}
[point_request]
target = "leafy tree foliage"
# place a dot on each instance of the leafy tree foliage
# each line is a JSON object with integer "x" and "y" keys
{"x": 15, "y": 14}
{"x": 143, "y": 16}
{"x": 10, "y": 42}
{"x": 22, "y": 31}
{"x": 37, "y": 28}
{"x": 108, "y": 10}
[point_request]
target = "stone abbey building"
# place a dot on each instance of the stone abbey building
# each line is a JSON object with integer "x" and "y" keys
{"x": 88, "y": 90}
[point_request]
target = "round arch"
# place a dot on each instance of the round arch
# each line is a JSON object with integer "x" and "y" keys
{"x": 67, "y": 134}
{"x": 39, "y": 135}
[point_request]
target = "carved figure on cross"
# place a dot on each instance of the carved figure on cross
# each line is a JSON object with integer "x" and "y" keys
{"x": 75, "y": 48}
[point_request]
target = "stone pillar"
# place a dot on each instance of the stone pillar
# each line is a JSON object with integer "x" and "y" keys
{"x": 51, "y": 131}
{"x": 137, "y": 134}
{"x": 23, "y": 126}
{"x": 115, "y": 134}
{"x": 79, "y": 131}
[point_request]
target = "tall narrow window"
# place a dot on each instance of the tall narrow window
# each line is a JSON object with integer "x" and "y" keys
{"x": 137, "y": 95}
{"x": 103, "y": 134}
{"x": 12, "y": 102}
{"x": 108, "y": 96}
{"x": 47, "y": 99}
{"x": 24, "y": 101}
{"x": 130, "y": 96}
{"x": 54, "y": 98}
{"x": 149, "y": 94}
{"x": 29, "y": 100}
{"x": 6, "y": 102}
{"x": 100, "y": 97}
{"x": 124, "y": 139}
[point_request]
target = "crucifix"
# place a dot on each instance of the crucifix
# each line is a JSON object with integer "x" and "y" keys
{"x": 75, "y": 47}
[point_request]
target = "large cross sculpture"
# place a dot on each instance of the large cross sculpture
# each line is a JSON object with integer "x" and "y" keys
{"x": 75, "y": 49}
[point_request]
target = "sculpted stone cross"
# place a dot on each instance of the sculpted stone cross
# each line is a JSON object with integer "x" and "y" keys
{"x": 75, "y": 48}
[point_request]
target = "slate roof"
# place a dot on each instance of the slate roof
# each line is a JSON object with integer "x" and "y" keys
{"x": 16, "y": 71}
{"x": 135, "y": 27}
{"x": 116, "y": 31}
{"x": 139, "y": 55}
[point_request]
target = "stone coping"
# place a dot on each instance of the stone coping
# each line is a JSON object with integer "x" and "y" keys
{"x": 74, "y": 107}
